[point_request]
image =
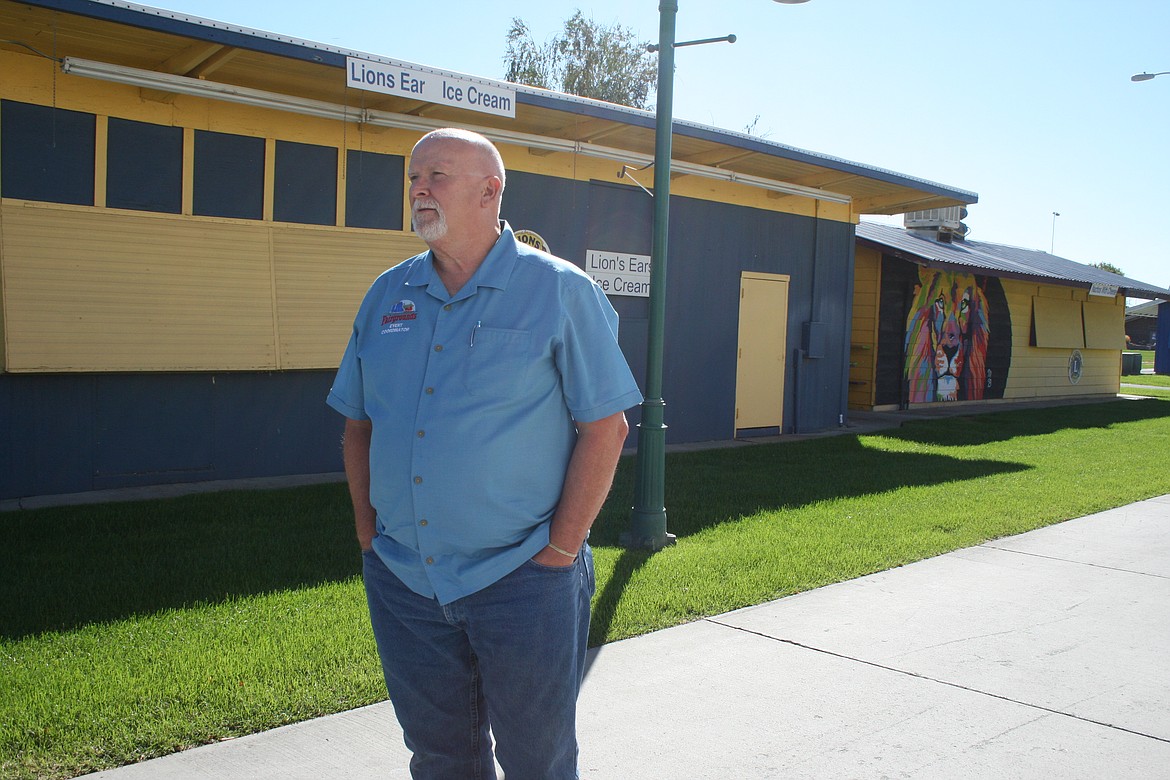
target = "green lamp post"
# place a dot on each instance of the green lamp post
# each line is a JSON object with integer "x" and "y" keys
{"x": 648, "y": 518}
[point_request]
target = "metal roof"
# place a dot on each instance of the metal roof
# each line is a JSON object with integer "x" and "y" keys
{"x": 1147, "y": 309}
{"x": 309, "y": 69}
{"x": 999, "y": 260}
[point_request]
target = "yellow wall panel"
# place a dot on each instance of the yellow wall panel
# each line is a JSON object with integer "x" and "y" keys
{"x": 1104, "y": 325}
{"x": 109, "y": 290}
{"x": 863, "y": 335}
{"x": 1058, "y": 323}
{"x": 321, "y": 276}
{"x": 1038, "y": 372}
{"x": 89, "y": 290}
{"x": 1054, "y": 291}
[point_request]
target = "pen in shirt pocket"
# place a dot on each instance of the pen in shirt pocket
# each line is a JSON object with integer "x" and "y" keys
{"x": 471, "y": 342}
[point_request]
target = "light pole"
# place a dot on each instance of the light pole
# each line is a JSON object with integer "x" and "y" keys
{"x": 1148, "y": 76}
{"x": 1052, "y": 246}
{"x": 648, "y": 518}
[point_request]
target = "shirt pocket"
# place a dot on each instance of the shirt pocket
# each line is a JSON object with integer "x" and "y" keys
{"x": 497, "y": 362}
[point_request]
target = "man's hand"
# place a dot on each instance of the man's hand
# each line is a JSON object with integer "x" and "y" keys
{"x": 356, "y": 452}
{"x": 587, "y": 483}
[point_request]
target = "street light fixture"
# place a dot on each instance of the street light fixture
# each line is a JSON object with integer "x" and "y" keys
{"x": 1136, "y": 77}
{"x": 648, "y": 518}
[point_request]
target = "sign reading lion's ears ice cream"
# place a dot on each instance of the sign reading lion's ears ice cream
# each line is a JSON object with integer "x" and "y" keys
{"x": 616, "y": 273}
{"x": 619, "y": 273}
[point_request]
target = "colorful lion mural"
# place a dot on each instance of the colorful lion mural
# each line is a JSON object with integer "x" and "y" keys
{"x": 947, "y": 332}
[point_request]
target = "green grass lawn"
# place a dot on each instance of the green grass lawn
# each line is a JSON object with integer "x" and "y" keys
{"x": 134, "y": 630}
{"x": 1149, "y": 392}
{"x": 1156, "y": 380}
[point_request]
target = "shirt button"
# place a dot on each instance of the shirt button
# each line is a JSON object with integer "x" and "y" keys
{"x": 422, "y": 522}
{"x": 430, "y": 391}
{"x": 438, "y": 348}
{"x": 430, "y": 560}
{"x": 422, "y": 434}
{"x": 447, "y": 307}
{"x": 418, "y": 480}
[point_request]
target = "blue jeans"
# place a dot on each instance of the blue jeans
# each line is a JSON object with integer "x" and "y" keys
{"x": 510, "y": 657}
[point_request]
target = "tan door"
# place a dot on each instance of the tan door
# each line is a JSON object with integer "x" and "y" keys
{"x": 763, "y": 333}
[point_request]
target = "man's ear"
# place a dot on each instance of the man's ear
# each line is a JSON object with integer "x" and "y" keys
{"x": 491, "y": 189}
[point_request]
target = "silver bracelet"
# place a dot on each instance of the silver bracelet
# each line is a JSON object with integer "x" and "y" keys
{"x": 565, "y": 553}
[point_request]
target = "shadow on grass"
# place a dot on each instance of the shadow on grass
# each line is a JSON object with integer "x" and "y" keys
{"x": 66, "y": 567}
{"x": 705, "y": 489}
{"x": 710, "y": 487}
{"x": 605, "y": 603}
{"x": 988, "y": 427}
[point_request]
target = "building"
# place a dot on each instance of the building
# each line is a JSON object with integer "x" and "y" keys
{"x": 191, "y": 211}
{"x": 939, "y": 318}
{"x": 1141, "y": 324}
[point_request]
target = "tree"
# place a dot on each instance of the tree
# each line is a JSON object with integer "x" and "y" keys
{"x": 1110, "y": 267}
{"x": 588, "y": 59}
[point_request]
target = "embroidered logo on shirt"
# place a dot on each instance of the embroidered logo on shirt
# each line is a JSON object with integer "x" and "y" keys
{"x": 400, "y": 313}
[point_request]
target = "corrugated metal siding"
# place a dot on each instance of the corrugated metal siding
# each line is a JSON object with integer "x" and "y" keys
{"x": 104, "y": 291}
{"x": 3, "y": 300}
{"x": 863, "y": 337}
{"x": 88, "y": 290}
{"x": 826, "y": 384}
{"x": 710, "y": 245}
{"x": 67, "y": 433}
{"x": 321, "y": 276}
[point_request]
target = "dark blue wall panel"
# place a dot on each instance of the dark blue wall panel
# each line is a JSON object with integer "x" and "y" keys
{"x": 709, "y": 245}
{"x": 48, "y": 153}
{"x": 68, "y": 433}
{"x": 144, "y": 166}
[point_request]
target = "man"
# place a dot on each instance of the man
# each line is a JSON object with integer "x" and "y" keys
{"x": 484, "y": 393}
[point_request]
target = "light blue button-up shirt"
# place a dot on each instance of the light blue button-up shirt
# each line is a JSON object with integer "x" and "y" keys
{"x": 472, "y": 398}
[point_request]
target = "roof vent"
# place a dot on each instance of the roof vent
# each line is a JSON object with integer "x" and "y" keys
{"x": 939, "y": 224}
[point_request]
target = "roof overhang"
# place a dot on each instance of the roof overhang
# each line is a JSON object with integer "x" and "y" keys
{"x": 1000, "y": 260}
{"x": 186, "y": 49}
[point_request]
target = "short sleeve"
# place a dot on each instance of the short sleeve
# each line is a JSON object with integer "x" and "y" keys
{"x": 347, "y": 395}
{"x": 596, "y": 378}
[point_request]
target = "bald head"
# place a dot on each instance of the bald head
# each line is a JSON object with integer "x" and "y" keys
{"x": 484, "y": 151}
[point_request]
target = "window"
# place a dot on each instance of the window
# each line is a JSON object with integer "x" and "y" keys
{"x": 229, "y": 175}
{"x": 144, "y": 167}
{"x": 373, "y": 190}
{"x": 306, "y": 184}
{"x": 47, "y": 153}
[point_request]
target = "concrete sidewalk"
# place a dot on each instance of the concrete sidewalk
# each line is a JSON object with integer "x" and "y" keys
{"x": 1044, "y": 655}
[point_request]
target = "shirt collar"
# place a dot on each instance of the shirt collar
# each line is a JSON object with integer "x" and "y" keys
{"x": 494, "y": 271}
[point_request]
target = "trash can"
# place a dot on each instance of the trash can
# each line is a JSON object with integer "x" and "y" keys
{"x": 1131, "y": 363}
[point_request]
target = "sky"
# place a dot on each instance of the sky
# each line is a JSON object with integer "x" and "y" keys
{"x": 1028, "y": 103}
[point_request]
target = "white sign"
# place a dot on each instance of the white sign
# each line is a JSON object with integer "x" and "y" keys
{"x": 619, "y": 273}
{"x": 1104, "y": 290}
{"x": 410, "y": 81}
